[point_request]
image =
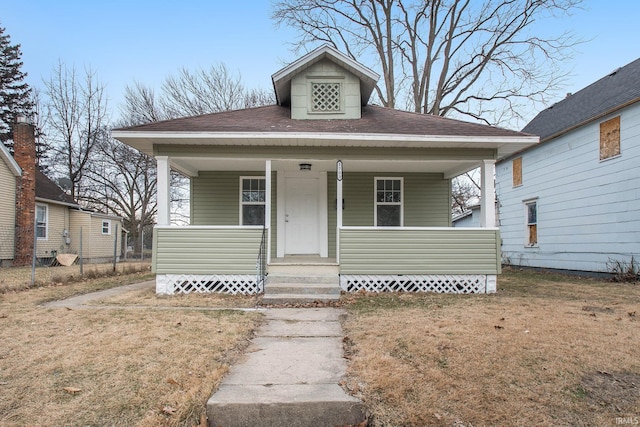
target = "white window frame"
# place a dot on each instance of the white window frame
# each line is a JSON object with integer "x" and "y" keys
{"x": 46, "y": 221}
{"x": 108, "y": 223}
{"x": 242, "y": 178}
{"x": 376, "y": 203}
{"x": 525, "y": 204}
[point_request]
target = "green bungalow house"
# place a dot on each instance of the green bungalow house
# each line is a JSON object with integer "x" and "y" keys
{"x": 323, "y": 179}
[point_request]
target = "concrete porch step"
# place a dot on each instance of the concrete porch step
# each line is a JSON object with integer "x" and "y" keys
{"x": 302, "y": 288}
{"x": 310, "y": 405}
{"x": 295, "y": 279}
{"x": 298, "y": 298}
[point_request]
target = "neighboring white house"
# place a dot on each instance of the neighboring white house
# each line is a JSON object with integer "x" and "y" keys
{"x": 468, "y": 218}
{"x": 572, "y": 201}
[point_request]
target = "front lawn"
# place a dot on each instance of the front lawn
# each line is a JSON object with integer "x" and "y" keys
{"x": 547, "y": 349}
{"x": 116, "y": 367}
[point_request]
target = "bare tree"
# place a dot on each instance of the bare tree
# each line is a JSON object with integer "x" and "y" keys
{"x": 465, "y": 191}
{"x": 141, "y": 106}
{"x": 76, "y": 122}
{"x": 122, "y": 181}
{"x": 191, "y": 93}
{"x": 186, "y": 94}
{"x": 479, "y": 59}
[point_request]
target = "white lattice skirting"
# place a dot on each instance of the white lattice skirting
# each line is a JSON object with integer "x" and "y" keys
{"x": 169, "y": 284}
{"x": 441, "y": 283}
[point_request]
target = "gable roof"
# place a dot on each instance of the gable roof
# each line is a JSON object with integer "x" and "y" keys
{"x": 612, "y": 92}
{"x": 47, "y": 190}
{"x": 282, "y": 78}
{"x": 8, "y": 159}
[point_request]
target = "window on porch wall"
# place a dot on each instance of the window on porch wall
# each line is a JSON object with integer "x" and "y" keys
{"x": 252, "y": 200}
{"x": 388, "y": 202}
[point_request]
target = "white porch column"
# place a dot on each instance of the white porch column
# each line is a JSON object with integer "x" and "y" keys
{"x": 338, "y": 213}
{"x": 164, "y": 179}
{"x": 267, "y": 206}
{"x": 488, "y": 200}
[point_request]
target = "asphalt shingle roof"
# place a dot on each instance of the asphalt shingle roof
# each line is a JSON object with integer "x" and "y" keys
{"x": 614, "y": 91}
{"x": 47, "y": 189}
{"x": 374, "y": 120}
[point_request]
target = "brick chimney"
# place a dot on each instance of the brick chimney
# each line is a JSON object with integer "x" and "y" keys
{"x": 24, "y": 149}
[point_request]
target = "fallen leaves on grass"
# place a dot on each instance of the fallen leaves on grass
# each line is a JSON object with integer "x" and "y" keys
{"x": 169, "y": 410}
{"x": 174, "y": 382}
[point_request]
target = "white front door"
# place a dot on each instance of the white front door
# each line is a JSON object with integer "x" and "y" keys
{"x": 302, "y": 215}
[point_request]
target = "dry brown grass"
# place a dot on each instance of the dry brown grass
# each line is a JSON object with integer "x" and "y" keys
{"x": 119, "y": 367}
{"x": 19, "y": 278}
{"x": 545, "y": 350}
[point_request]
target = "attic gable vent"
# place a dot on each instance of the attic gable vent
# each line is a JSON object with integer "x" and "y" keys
{"x": 325, "y": 97}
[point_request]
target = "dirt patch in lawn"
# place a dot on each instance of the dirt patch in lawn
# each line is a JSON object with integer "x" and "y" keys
{"x": 545, "y": 350}
{"x": 618, "y": 390}
{"x": 114, "y": 367}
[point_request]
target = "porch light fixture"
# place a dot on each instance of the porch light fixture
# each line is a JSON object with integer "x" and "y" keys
{"x": 305, "y": 166}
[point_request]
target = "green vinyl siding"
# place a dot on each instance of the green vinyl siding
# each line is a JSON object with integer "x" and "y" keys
{"x": 415, "y": 251}
{"x": 357, "y": 192}
{"x": 426, "y": 199}
{"x": 206, "y": 250}
{"x": 215, "y": 199}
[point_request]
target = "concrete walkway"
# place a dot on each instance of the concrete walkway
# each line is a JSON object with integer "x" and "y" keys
{"x": 289, "y": 376}
{"x": 81, "y": 300}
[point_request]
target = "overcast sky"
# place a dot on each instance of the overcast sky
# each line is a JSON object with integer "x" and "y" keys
{"x": 127, "y": 41}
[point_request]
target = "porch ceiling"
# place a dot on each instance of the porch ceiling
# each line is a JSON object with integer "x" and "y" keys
{"x": 191, "y": 166}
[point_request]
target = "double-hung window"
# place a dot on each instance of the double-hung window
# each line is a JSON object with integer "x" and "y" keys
{"x": 106, "y": 226}
{"x": 531, "y": 214}
{"x": 388, "y": 202}
{"x": 252, "y": 200}
{"x": 41, "y": 221}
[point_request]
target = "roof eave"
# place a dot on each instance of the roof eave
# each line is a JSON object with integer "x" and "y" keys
{"x": 10, "y": 161}
{"x": 145, "y": 141}
{"x": 558, "y": 134}
{"x": 57, "y": 202}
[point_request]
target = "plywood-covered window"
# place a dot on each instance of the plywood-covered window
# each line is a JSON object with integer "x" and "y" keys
{"x": 531, "y": 214}
{"x": 517, "y": 171}
{"x": 253, "y": 196}
{"x": 610, "y": 138}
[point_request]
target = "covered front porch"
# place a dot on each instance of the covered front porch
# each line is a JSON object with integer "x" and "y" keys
{"x": 382, "y": 219}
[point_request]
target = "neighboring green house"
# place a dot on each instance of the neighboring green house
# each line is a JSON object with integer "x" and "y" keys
{"x": 340, "y": 182}
{"x": 9, "y": 173}
{"x": 56, "y": 219}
